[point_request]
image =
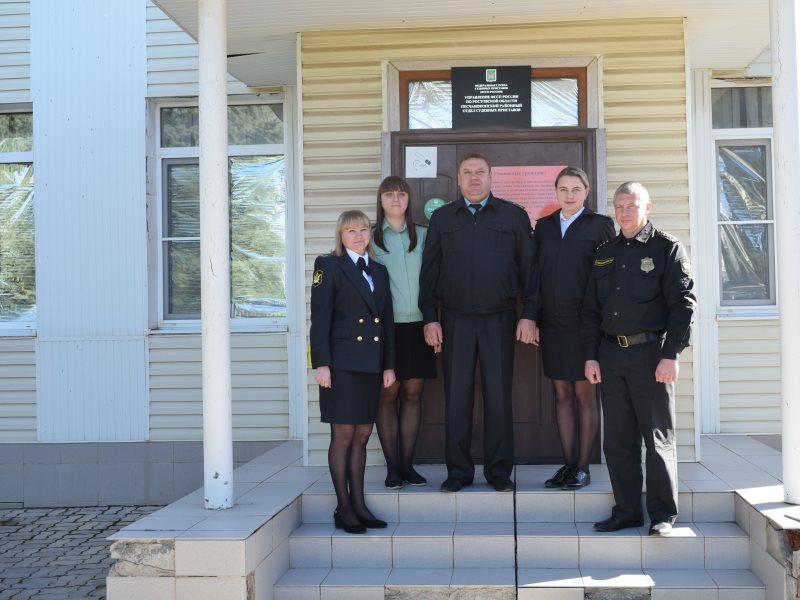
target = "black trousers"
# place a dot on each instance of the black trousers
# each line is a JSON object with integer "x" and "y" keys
{"x": 488, "y": 339}
{"x": 636, "y": 407}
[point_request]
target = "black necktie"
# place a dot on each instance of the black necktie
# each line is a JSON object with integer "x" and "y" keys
{"x": 475, "y": 208}
{"x": 362, "y": 264}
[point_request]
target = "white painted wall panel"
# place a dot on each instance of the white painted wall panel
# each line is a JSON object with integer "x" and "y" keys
{"x": 172, "y": 59}
{"x": 14, "y": 52}
{"x": 88, "y": 76}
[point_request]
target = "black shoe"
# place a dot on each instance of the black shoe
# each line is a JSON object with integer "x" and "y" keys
{"x": 503, "y": 484}
{"x": 340, "y": 524}
{"x": 393, "y": 482}
{"x": 412, "y": 477}
{"x": 617, "y": 523}
{"x": 452, "y": 484}
{"x": 557, "y": 480}
{"x": 578, "y": 478}
{"x": 660, "y": 528}
{"x": 373, "y": 523}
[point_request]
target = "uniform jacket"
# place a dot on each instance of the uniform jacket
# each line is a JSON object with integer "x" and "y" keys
{"x": 477, "y": 265}
{"x": 642, "y": 284}
{"x": 352, "y": 327}
{"x": 564, "y": 265}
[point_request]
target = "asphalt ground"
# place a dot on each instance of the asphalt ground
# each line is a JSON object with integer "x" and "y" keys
{"x": 59, "y": 553}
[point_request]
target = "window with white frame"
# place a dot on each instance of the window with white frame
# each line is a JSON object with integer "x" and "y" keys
{"x": 742, "y": 133}
{"x": 17, "y": 266}
{"x": 257, "y": 183}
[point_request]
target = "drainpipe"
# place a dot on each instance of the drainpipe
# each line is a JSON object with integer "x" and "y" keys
{"x": 786, "y": 132}
{"x": 215, "y": 280}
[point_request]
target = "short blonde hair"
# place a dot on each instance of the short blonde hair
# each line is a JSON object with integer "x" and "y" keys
{"x": 345, "y": 220}
{"x": 636, "y": 189}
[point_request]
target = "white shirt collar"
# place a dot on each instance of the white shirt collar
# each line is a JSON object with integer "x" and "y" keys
{"x": 354, "y": 256}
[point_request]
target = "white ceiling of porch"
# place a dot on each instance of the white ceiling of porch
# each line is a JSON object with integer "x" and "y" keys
{"x": 721, "y": 34}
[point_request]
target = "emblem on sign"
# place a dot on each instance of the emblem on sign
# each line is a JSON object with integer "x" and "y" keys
{"x": 647, "y": 264}
{"x": 491, "y": 75}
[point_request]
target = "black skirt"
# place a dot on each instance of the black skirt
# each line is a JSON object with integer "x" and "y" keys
{"x": 562, "y": 351}
{"x": 352, "y": 398}
{"x": 414, "y": 358}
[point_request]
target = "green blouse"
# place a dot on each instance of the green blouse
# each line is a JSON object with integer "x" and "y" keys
{"x": 403, "y": 267}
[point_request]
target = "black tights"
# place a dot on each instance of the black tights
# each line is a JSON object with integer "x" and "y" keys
{"x": 399, "y": 413}
{"x": 569, "y": 396}
{"x": 347, "y": 458}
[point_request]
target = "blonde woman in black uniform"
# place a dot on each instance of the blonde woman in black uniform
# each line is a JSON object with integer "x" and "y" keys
{"x": 352, "y": 352}
{"x": 565, "y": 242}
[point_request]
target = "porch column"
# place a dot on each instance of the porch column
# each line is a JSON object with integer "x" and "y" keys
{"x": 786, "y": 132}
{"x": 215, "y": 256}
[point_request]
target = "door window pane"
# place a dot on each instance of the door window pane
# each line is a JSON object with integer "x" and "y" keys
{"x": 17, "y": 266}
{"x": 554, "y": 102}
{"x": 430, "y": 105}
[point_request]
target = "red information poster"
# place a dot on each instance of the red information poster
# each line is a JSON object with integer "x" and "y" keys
{"x": 531, "y": 187}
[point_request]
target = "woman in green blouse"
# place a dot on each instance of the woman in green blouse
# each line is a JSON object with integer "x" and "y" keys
{"x": 398, "y": 245}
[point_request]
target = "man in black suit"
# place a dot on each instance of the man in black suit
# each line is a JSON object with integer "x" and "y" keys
{"x": 477, "y": 262}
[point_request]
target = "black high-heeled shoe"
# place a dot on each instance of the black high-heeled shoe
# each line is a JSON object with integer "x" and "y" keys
{"x": 373, "y": 523}
{"x": 339, "y": 524}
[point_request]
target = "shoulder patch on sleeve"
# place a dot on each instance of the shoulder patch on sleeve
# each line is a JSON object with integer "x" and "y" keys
{"x": 603, "y": 262}
{"x": 686, "y": 266}
{"x": 317, "y": 279}
{"x": 666, "y": 236}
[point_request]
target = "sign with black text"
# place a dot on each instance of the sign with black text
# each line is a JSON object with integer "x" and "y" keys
{"x": 491, "y": 97}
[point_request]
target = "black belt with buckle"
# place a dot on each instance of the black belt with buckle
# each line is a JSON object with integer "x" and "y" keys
{"x": 623, "y": 341}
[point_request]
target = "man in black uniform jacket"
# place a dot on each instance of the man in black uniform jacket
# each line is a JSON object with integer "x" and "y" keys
{"x": 637, "y": 316}
{"x": 478, "y": 260}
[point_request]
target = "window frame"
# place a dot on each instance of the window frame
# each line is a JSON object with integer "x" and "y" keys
{"x": 579, "y": 73}
{"x": 20, "y": 328}
{"x": 191, "y": 155}
{"x": 745, "y": 309}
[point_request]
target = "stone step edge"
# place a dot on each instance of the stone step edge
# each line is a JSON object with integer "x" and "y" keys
{"x": 538, "y": 579}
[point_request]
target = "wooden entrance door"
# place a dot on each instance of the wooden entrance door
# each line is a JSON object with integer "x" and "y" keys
{"x": 535, "y": 431}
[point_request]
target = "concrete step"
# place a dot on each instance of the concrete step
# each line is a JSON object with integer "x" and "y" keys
{"x": 528, "y": 584}
{"x": 538, "y": 546}
{"x": 532, "y": 502}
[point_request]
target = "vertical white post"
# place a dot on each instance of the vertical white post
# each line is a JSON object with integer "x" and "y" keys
{"x": 786, "y": 132}
{"x": 215, "y": 256}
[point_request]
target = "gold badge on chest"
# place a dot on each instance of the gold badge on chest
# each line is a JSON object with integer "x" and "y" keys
{"x": 647, "y": 264}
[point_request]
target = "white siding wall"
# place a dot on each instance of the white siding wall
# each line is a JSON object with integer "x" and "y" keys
{"x": 15, "y": 58}
{"x": 259, "y": 364}
{"x": 749, "y": 377}
{"x": 17, "y": 390}
{"x": 643, "y": 104}
{"x": 172, "y": 59}
{"x": 88, "y": 88}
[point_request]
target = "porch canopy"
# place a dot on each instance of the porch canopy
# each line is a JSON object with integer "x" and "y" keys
{"x": 724, "y": 35}
{"x": 721, "y": 34}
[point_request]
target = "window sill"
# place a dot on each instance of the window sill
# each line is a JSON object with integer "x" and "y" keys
{"x": 193, "y": 327}
{"x": 749, "y": 313}
{"x": 18, "y": 332}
